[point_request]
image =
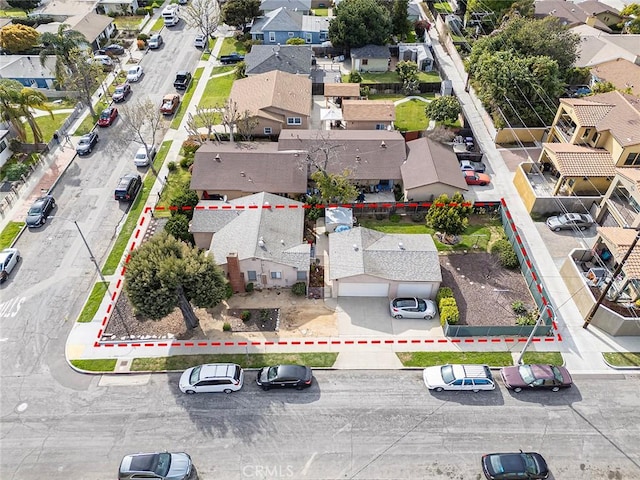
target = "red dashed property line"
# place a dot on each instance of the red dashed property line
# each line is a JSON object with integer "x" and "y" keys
{"x": 375, "y": 205}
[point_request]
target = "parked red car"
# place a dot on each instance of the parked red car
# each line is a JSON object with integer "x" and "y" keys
{"x": 475, "y": 178}
{"x": 107, "y": 116}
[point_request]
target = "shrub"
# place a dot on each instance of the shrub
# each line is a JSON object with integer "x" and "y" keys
{"x": 443, "y": 292}
{"x": 226, "y": 327}
{"x": 518, "y": 308}
{"x": 141, "y": 11}
{"x": 447, "y": 302}
{"x": 499, "y": 245}
{"x": 141, "y": 44}
{"x": 395, "y": 218}
{"x": 529, "y": 318}
{"x": 186, "y": 162}
{"x": 299, "y": 289}
{"x": 143, "y": 36}
{"x": 16, "y": 171}
{"x": 637, "y": 303}
{"x": 355, "y": 77}
{"x": 249, "y": 287}
{"x": 172, "y": 166}
{"x": 506, "y": 253}
{"x": 265, "y": 313}
{"x": 245, "y": 315}
{"x": 228, "y": 291}
{"x": 189, "y": 147}
{"x": 450, "y": 315}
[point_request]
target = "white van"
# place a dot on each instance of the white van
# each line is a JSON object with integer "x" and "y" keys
{"x": 212, "y": 377}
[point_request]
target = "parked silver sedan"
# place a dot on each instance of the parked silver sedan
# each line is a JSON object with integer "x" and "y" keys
{"x": 570, "y": 221}
{"x": 411, "y": 307}
{"x": 9, "y": 258}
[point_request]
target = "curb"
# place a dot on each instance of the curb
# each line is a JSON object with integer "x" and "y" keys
{"x": 616, "y": 367}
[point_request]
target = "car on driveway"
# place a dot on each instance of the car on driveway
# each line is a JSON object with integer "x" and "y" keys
{"x": 475, "y": 178}
{"x": 155, "y": 41}
{"x": 458, "y": 377}
{"x": 9, "y": 258}
{"x": 519, "y": 465}
{"x": 570, "y": 221}
{"x": 134, "y": 74}
{"x": 472, "y": 166}
{"x": 536, "y": 377}
{"x": 142, "y": 159}
{"x": 211, "y": 378}
{"x": 87, "y": 143}
{"x": 411, "y": 307}
{"x": 108, "y": 116}
{"x": 121, "y": 92}
{"x": 113, "y": 49}
{"x": 284, "y": 376}
{"x": 161, "y": 466}
{"x": 39, "y": 211}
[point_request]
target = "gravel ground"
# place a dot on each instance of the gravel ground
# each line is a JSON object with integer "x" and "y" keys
{"x": 483, "y": 289}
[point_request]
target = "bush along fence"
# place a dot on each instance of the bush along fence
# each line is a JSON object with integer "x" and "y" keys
{"x": 450, "y": 317}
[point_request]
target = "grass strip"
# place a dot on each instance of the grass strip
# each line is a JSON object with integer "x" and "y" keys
{"x": 113, "y": 261}
{"x": 622, "y": 359}
{"x": 93, "y": 302}
{"x": 252, "y": 360}
{"x": 97, "y": 365}
{"x": 184, "y": 102}
{"x": 175, "y": 184}
{"x": 10, "y": 233}
{"x": 544, "y": 358}
{"x": 429, "y": 359}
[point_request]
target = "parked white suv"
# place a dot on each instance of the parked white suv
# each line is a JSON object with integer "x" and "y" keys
{"x": 212, "y": 377}
{"x": 142, "y": 159}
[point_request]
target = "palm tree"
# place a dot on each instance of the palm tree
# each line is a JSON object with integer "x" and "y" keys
{"x": 60, "y": 45}
{"x": 16, "y": 102}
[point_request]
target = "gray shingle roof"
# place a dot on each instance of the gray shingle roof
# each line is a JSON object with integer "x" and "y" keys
{"x": 380, "y": 255}
{"x": 294, "y": 59}
{"x": 280, "y": 20}
{"x": 26, "y": 66}
{"x": 371, "y": 51}
{"x": 300, "y": 5}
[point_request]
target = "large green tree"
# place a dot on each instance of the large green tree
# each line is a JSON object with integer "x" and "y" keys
{"x": 334, "y": 187}
{"x": 449, "y": 215}
{"x": 358, "y": 23}
{"x": 24, "y": 5}
{"x": 237, "y": 13}
{"x": 165, "y": 273}
{"x": 631, "y": 25}
{"x": 400, "y": 24}
{"x": 442, "y": 109}
{"x": 16, "y": 104}
{"x": 61, "y": 44}
{"x": 18, "y": 38}
{"x": 84, "y": 78}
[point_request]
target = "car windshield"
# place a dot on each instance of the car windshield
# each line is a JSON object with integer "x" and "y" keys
{"x": 141, "y": 155}
{"x": 195, "y": 376}
{"x": 557, "y": 374}
{"x": 447, "y": 374}
{"x": 35, "y": 210}
{"x": 105, "y": 114}
{"x": 272, "y": 373}
{"x": 422, "y": 305}
{"x": 84, "y": 140}
{"x": 161, "y": 467}
{"x": 119, "y": 89}
{"x": 526, "y": 373}
{"x": 133, "y": 71}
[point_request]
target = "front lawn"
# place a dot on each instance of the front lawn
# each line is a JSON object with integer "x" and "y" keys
{"x": 230, "y": 45}
{"x": 9, "y": 234}
{"x": 217, "y": 91}
{"x": 128, "y": 22}
{"x": 411, "y": 116}
{"x": 430, "y": 359}
{"x": 175, "y": 182}
{"x": 254, "y": 360}
{"x": 321, "y": 12}
{"x": 47, "y": 124}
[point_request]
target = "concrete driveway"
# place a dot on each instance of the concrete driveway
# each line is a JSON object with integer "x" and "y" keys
{"x": 368, "y": 317}
{"x": 559, "y": 244}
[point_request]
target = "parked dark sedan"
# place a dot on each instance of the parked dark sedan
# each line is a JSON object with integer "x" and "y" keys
{"x": 547, "y": 377}
{"x": 87, "y": 143}
{"x": 39, "y": 211}
{"x": 297, "y": 376}
{"x": 514, "y": 466}
{"x": 113, "y": 49}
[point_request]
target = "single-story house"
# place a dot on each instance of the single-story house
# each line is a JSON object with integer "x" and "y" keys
{"x": 275, "y": 99}
{"x": 278, "y": 26}
{"x": 622, "y": 73}
{"x": 97, "y": 29}
{"x": 27, "y": 70}
{"x": 295, "y": 59}
{"x": 302, "y": 6}
{"x": 368, "y": 263}
{"x": 416, "y": 52}
{"x": 370, "y": 58}
{"x": 591, "y": 12}
{"x": 253, "y": 241}
{"x": 338, "y": 218}
{"x": 431, "y": 170}
{"x": 118, "y": 6}
{"x": 368, "y": 114}
{"x": 235, "y": 170}
{"x": 597, "y": 47}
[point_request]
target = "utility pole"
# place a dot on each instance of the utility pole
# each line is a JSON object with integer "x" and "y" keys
{"x": 592, "y": 311}
{"x": 535, "y": 327}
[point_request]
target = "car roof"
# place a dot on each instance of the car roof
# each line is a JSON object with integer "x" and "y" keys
{"x": 291, "y": 370}
{"x": 213, "y": 370}
{"x": 471, "y": 371}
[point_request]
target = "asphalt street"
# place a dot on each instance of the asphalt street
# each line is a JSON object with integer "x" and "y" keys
{"x": 349, "y": 424}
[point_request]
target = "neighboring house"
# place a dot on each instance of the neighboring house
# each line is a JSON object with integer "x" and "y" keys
{"x": 302, "y": 6}
{"x": 620, "y": 72}
{"x": 591, "y": 12}
{"x": 368, "y": 114}
{"x": 368, "y": 263}
{"x": 370, "y": 58}
{"x": 418, "y": 53}
{"x": 372, "y": 157}
{"x": 337, "y": 92}
{"x": 60, "y": 10}
{"x": 597, "y": 47}
{"x": 295, "y": 59}
{"x": 27, "y": 70}
{"x": 278, "y": 26}
{"x": 119, "y": 6}
{"x": 431, "y": 169}
{"x": 97, "y": 29}
{"x": 620, "y": 206}
{"x": 234, "y": 170}
{"x": 275, "y": 99}
{"x": 253, "y": 241}
{"x": 5, "y": 151}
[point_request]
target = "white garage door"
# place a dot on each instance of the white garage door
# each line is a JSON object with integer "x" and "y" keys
{"x": 420, "y": 290}
{"x": 363, "y": 290}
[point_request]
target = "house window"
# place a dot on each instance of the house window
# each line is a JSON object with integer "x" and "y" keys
{"x": 571, "y": 182}
{"x": 272, "y": 37}
{"x": 633, "y": 159}
{"x": 290, "y": 34}
{"x": 586, "y": 133}
{"x": 323, "y": 36}
{"x": 595, "y": 137}
{"x": 380, "y": 126}
{"x": 294, "y": 121}
{"x": 301, "y": 275}
{"x": 252, "y": 276}
{"x": 276, "y": 275}
{"x": 3, "y": 145}
{"x": 308, "y": 37}
{"x": 364, "y": 61}
{"x": 267, "y": 130}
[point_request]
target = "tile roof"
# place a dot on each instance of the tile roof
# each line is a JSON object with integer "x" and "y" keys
{"x": 588, "y": 112}
{"x": 341, "y": 89}
{"x": 571, "y": 13}
{"x": 630, "y": 173}
{"x": 622, "y": 73}
{"x": 394, "y": 257}
{"x": 368, "y": 110}
{"x": 577, "y": 161}
{"x": 371, "y": 51}
{"x": 248, "y": 167}
{"x": 622, "y": 238}
{"x": 368, "y": 154}
{"x": 429, "y": 162}
{"x": 295, "y": 59}
{"x": 262, "y": 93}
{"x": 281, "y": 231}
